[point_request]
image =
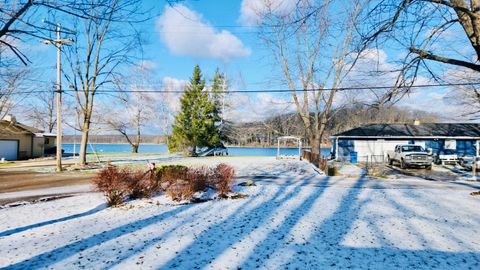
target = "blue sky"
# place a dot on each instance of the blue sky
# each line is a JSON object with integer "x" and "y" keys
{"x": 217, "y": 34}
{"x": 221, "y": 16}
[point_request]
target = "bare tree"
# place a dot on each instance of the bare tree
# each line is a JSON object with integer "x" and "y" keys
{"x": 136, "y": 106}
{"x": 12, "y": 90}
{"x": 136, "y": 110}
{"x": 466, "y": 98}
{"x": 105, "y": 41}
{"x": 314, "y": 45}
{"x": 43, "y": 109}
{"x": 436, "y": 34}
{"x": 20, "y": 19}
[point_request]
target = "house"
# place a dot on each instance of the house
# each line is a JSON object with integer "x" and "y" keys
{"x": 373, "y": 141}
{"x": 19, "y": 141}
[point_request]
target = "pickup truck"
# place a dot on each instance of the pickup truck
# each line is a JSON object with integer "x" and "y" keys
{"x": 410, "y": 155}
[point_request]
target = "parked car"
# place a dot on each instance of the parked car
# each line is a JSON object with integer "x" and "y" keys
{"x": 466, "y": 162}
{"x": 447, "y": 156}
{"x": 410, "y": 155}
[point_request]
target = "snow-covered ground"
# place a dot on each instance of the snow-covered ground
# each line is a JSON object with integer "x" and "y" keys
{"x": 293, "y": 218}
{"x": 46, "y": 192}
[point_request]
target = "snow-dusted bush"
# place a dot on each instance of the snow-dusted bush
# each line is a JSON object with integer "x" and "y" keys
{"x": 181, "y": 190}
{"x": 224, "y": 178}
{"x": 140, "y": 184}
{"x": 179, "y": 182}
{"x": 184, "y": 182}
{"x": 112, "y": 182}
{"x": 169, "y": 174}
{"x": 199, "y": 178}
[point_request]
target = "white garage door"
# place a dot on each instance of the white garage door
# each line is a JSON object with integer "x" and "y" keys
{"x": 8, "y": 150}
{"x": 378, "y": 148}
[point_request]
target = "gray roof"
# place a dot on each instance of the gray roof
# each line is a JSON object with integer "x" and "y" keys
{"x": 408, "y": 130}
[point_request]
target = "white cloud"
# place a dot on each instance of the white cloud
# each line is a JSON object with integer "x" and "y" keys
{"x": 249, "y": 107}
{"x": 172, "y": 100}
{"x": 185, "y": 32}
{"x": 252, "y": 11}
{"x": 145, "y": 65}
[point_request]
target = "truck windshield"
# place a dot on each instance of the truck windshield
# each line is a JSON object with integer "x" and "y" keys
{"x": 412, "y": 148}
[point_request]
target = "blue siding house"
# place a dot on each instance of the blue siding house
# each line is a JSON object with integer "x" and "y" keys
{"x": 374, "y": 140}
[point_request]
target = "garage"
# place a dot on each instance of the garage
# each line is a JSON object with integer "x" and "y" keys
{"x": 8, "y": 149}
{"x": 375, "y": 149}
{"x": 371, "y": 142}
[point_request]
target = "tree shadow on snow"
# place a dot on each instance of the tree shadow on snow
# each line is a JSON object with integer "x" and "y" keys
{"x": 50, "y": 222}
{"x": 276, "y": 246}
{"x": 327, "y": 248}
{"x": 202, "y": 251}
{"x": 58, "y": 254}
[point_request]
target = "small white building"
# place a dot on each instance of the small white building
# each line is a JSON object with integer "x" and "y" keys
{"x": 371, "y": 142}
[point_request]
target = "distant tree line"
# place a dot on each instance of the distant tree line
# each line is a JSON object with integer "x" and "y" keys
{"x": 265, "y": 133}
{"x": 154, "y": 139}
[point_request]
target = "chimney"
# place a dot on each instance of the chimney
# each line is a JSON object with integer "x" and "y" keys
{"x": 10, "y": 118}
{"x": 416, "y": 122}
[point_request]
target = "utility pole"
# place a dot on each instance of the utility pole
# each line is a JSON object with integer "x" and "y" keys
{"x": 58, "y": 43}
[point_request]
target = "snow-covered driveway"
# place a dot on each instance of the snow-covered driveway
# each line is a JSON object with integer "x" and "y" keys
{"x": 301, "y": 223}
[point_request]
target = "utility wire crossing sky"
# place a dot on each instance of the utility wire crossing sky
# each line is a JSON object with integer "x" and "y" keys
{"x": 269, "y": 90}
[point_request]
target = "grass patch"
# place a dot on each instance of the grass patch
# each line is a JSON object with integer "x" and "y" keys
{"x": 7, "y": 163}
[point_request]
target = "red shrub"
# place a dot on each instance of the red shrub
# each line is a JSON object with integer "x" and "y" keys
{"x": 180, "y": 190}
{"x": 111, "y": 181}
{"x": 199, "y": 178}
{"x": 181, "y": 183}
{"x": 224, "y": 178}
{"x": 140, "y": 185}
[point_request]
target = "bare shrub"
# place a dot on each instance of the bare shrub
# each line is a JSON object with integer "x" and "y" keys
{"x": 180, "y": 190}
{"x": 322, "y": 164}
{"x": 140, "y": 185}
{"x": 200, "y": 178}
{"x": 224, "y": 175}
{"x": 181, "y": 183}
{"x": 112, "y": 182}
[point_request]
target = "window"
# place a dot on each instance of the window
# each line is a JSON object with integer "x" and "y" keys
{"x": 450, "y": 144}
{"x": 412, "y": 148}
{"x": 47, "y": 140}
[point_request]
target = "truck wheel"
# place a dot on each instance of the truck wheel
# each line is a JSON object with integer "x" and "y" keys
{"x": 390, "y": 161}
{"x": 402, "y": 164}
{"x": 429, "y": 167}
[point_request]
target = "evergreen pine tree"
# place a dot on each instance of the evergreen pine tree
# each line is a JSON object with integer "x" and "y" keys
{"x": 194, "y": 125}
{"x": 219, "y": 86}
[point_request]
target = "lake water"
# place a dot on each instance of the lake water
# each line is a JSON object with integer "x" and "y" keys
{"x": 162, "y": 148}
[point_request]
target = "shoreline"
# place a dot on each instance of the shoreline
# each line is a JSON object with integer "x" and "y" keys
{"x": 227, "y": 146}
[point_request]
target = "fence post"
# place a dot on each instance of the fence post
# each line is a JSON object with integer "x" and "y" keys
{"x": 474, "y": 169}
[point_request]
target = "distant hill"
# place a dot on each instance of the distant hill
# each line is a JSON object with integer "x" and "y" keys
{"x": 265, "y": 133}
{"x": 157, "y": 139}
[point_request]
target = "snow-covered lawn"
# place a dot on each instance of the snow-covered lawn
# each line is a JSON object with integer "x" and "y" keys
{"x": 292, "y": 219}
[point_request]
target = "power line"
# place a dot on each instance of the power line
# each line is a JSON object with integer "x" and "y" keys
{"x": 271, "y": 90}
